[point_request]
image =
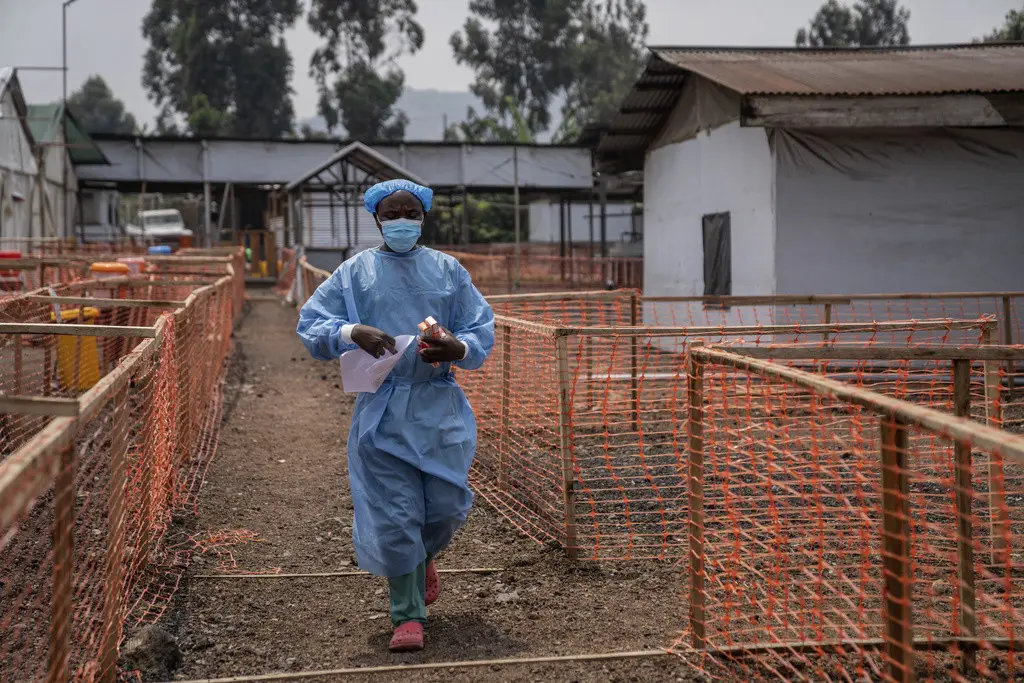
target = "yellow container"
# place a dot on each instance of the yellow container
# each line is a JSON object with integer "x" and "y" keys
{"x": 88, "y": 353}
{"x": 263, "y": 268}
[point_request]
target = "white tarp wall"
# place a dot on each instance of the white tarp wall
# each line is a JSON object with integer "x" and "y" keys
{"x": 545, "y": 226}
{"x": 17, "y": 166}
{"x": 60, "y": 203}
{"x": 726, "y": 170}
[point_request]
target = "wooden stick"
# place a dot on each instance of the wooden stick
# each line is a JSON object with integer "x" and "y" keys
{"x": 896, "y": 573}
{"x": 565, "y": 446}
{"x": 506, "y": 382}
{"x": 634, "y": 320}
{"x": 886, "y": 352}
{"x": 58, "y": 669}
{"x": 980, "y": 436}
{"x": 732, "y": 331}
{"x": 291, "y": 676}
{"x": 19, "y": 378}
{"x": 30, "y": 471}
{"x": 324, "y": 575}
{"x": 1007, "y": 324}
{"x": 732, "y": 651}
{"x": 113, "y": 575}
{"x": 695, "y": 488}
{"x": 76, "y": 330}
{"x": 964, "y": 492}
{"x": 47, "y": 365}
{"x": 999, "y": 513}
{"x": 38, "y": 405}
{"x": 839, "y": 299}
{"x": 102, "y": 303}
{"x": 601, "y": 295}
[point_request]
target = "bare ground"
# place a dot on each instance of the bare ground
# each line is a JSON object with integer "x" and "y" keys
{"x": 280, "y": 473}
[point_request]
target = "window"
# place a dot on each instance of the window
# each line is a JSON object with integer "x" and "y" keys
{"x": 717, "y": 254}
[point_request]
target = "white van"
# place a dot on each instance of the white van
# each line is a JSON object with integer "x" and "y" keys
{"x": 159, "y": 224}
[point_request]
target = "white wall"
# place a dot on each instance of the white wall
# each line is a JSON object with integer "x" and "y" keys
{"x": 17, "y": 170}
{"x": 545, "y": 228}
{"x": 727, "y": 169}
{"x": 900, "y": 212}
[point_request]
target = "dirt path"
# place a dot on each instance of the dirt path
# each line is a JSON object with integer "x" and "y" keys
{"x": 280, "y": 474}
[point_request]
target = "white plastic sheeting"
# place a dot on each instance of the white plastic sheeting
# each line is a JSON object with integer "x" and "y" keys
{"x": 17, "y": 165}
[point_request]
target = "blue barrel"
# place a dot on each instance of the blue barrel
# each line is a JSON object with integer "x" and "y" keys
{"x": 160, "y": 249}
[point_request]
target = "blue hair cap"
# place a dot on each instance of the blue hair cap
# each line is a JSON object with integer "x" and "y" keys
{"x": 376, "y": 194}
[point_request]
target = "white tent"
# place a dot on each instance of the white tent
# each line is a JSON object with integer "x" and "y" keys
{"x": 18, "y": 169}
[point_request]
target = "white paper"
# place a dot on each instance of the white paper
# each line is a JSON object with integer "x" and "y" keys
{"x": 362, "y": 373}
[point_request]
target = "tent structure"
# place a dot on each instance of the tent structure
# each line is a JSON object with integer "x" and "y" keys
{"x": 18, "y": 169}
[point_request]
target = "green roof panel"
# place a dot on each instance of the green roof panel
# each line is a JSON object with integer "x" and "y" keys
{"x": 44, "y": 122}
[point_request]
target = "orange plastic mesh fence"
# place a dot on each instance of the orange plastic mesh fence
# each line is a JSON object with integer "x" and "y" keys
{"x": 311, "y": 278}
{"x": 839, "y": 534}
{"x": 496, "y": 274}
{"x": 52, "y": 246}
{"x": 89, "y": 548}
{"x": 1007, "y": 307}
{"x": 580, "y": 430}
{"x": 23, "y": 275}
{"x": 286, "y": 277}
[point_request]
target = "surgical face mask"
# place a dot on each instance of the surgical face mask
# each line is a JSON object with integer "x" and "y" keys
{"x": 401, "y": 234}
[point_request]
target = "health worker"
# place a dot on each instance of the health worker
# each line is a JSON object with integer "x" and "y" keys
{"x": 412, "y": 442}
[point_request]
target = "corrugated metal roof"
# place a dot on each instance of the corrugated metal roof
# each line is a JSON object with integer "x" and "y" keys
{"x": 362, "y": 157}
{"x": 866, "y": 71}
{"x": 906, "y": 71}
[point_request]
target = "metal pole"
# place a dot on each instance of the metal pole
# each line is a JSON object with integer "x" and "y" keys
{"x": 515, "y": 190}
{"x": 590, "y": 222}
{"x": 64, "y": 113}
{"x": 604, "y": 216}
{"x": 206, "y": 194}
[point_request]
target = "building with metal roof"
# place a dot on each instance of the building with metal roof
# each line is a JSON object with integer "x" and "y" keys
{"x": 807, "y": 171}
{"x": 18, "y": 169}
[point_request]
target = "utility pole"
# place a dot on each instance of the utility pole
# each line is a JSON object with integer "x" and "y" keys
{"x": 515, "y": 190}
{"x": 64, "y": 116}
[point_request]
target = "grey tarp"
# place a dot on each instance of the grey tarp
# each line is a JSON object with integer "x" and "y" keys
{"x": 899, "y": 211}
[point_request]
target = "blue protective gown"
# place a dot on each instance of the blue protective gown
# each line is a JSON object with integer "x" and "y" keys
{"x": 412, "y": 442}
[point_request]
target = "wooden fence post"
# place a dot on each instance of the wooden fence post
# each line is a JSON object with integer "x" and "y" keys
{"x": 565, "y": 445}
{"x": 1007, "y": 324}
{"x": 113, "y": 574}
{"x": 827, "y": 320}
{"x": 634, "y": 320}
{"x": 999, "y": 514}
{"x": 896, "y": 576}
{"x": 964, "y": 491}
{"x": 695, "y": 490}
{"x": 506, "y": 382}
{"x": 59, "y": 666}
{"x": 19, "y": 378}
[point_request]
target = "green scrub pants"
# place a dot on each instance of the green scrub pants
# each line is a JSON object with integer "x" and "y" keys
{"x": 407, "y": 595}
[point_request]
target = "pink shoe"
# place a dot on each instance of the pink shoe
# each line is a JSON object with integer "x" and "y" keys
{"x": 407, "y": 638}
{"x": 433, "y": 591}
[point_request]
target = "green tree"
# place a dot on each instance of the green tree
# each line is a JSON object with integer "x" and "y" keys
{"x": 869, "y": 23}
{"x": 307, "y": 132}
{"x": 221, "y": 65}
{"x": 1012, "y": 30}
{"x": 98, "y": 111}
{"x": 605, "y": 62}
{"x": 520, "y": 53}
{"x": 355, "y": 70}
{"x": 477, "y": 128}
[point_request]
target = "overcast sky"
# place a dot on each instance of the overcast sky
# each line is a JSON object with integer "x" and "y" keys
{"x": 104, "y": 38}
